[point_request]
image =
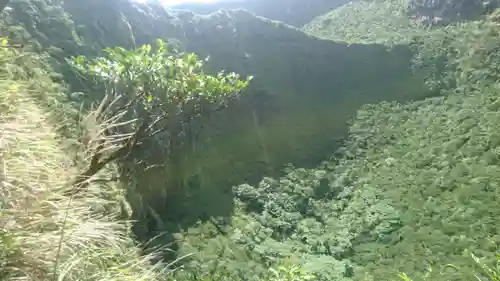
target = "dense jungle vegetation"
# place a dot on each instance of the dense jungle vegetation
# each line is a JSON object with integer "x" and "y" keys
{"x": 322, "y": 141}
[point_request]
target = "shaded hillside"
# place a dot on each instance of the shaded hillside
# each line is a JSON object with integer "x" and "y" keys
{"x": 305, "y": 89}
{"x": 293, "y": 12}
{"x": 299, "y": 81}
{"x": 415, "y": 191}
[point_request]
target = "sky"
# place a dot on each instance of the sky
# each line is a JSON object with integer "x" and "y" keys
{"x": 177, "y": 2}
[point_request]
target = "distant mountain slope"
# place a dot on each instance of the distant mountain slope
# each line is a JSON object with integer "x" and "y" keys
{"x": 384, "y": 22}
{"x": 393, "y": 21}
{"x": 446, "y": 11}
{"x": 293, "y": 12}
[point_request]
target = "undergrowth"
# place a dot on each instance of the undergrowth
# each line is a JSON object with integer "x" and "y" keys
{"x": 45, "y": 234}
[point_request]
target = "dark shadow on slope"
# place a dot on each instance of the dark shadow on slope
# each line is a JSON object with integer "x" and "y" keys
{"x": 304, "y": 93}
{"x": 165, "y": 201}
{"x": 297, "y": 110}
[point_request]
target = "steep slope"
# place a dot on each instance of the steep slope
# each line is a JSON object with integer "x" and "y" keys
{"x": 300, "y": 81}
{"x": 44, "y": 233}
{"x": 293, "y": 12}
{"x": 305, "y": 89}
{"x": 416, "y": 192}
{"x": 415, "y": 189}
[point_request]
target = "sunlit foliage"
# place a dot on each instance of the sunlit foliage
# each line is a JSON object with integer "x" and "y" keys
{"x": 413, "y": 190}
{"x": 45, "y": 234}
{"x": 385, "y": 22}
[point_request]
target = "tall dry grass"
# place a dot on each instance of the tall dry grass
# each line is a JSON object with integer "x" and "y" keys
{"x": 45, "y": 234}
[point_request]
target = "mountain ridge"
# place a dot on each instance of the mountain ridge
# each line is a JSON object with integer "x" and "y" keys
{"x": 293, "y": 12}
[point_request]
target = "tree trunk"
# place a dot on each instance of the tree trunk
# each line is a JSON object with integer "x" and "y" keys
{"x": 3, "y": 4}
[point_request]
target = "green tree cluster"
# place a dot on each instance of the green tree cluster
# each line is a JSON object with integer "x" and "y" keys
{"x": 150, "y": 99}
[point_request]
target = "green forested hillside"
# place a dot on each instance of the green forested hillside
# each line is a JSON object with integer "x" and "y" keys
{"x": 416, "y": 191}
{"x": 280, "y": 120}
{"x": 383, "y": 22}
{"x": 413, "y": 190}
{"x": 394, "y": 148}
{"x": 393, "y": 22}
{"x": 443, "y": 12}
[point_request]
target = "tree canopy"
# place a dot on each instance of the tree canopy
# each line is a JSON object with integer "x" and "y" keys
{"x": 148, "y": 93}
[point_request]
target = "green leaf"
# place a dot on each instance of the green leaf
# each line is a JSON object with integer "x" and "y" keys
{"x": 172, "y": 79}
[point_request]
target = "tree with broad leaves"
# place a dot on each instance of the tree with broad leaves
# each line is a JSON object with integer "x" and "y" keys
{"x": 147, "y": 93}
